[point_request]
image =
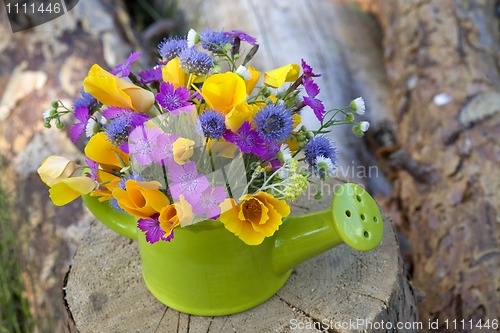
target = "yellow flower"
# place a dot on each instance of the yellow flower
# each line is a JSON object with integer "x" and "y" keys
{"x": 168, "y": 220}
{"x": 141, "y": 199}
{"x": 67, "y": 190}
{"x": 257, "y": 216}
{"x": 55, "y": 168}
{"x": 175, "y": 215}
{"x": 277, "y": 77}
{"x": 224, "y": 91}
{"x": 173, "y": 73}
{"x": 113, "y": 91}
{"x": 252, "y": 82}
{"x": 241, "y": 113}
{"x": 101, "y": 150}
{"x": 183, "y": 150}
{"x": 184, "y": 211}
{"x": 109, "y": 181}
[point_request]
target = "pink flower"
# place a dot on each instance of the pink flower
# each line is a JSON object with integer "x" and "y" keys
{"x": 186, "y": 181}
{"x": 209, "y": 202}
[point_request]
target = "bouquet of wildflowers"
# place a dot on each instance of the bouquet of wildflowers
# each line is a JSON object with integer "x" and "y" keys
{"x": 200, "y": 136}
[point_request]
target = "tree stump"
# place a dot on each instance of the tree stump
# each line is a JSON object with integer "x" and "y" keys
{"x": 104, "y": 291}
{"x": 442, "y": 60}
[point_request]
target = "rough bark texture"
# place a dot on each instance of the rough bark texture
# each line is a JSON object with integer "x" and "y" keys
{"x": 105, "y": 291}
{"x": 442, "y": 60}
{"x": 38, "y": 66}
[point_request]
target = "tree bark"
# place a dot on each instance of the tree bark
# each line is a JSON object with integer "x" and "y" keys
{"x": 38, "y": 66}
{"x": 442, "y": 60}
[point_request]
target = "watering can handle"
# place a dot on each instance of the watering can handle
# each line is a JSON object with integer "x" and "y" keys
{"x": 122, "y": 223}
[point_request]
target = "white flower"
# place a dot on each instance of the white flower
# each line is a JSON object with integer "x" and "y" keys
{"x": 91, "y": 128}
{"x": 358, "y": 106}
{"x": 324, "y": 166}
{"x": 287, "y": 154}
{"x": 364, "y": 126}
{"x": 192, "y": 38}
{"x": 243, "y": 72}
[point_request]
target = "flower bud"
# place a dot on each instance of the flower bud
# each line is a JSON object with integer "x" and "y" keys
{"x": 349, "y": 117}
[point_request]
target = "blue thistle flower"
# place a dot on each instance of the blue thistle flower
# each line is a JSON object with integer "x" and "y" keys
{"x": 210, "y": 40}
{"x": 196, "y": 62}
{"x": 87, "y": 100}
{"x": 171, "y": 48}
{"x": 118, "y": 129}
{"x": 274, "y": 122}
{"x": 212, "y": 124}
{"x": 316, "y": 147}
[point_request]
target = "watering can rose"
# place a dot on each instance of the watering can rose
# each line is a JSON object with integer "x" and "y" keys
{"x": 256, "y": 217}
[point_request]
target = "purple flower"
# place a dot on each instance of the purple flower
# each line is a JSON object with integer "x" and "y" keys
{"x": 274, "y": 123}
{"x": 186, "y": 181}
{"x": 242, "y": 36}
{"x": 209, "y": 202}
{"x": 124, "y": 68}
{"x": 316, "y": 147}
{"x": 174, "y": 100}
{"x": 151, "y": 226}
{"x": 150, "y": 75}
{"x": 86, "y": 100}
{"x": 308, "y": 71}
{"x": 212, "y": 124}
{"x": 312, "y": 90}
{"x": 247, "y": 139}
{"x": 122, "y": 122}
{"x": 83, "y": 116}
{"x": 94, "y": 167}
{"x": 164, "y": 154}
{"x": 316, "y": 105}
{"x": 171, "y": 48}
{"x": 196, "y": 62}
{"x": 143, "y": 144}
{"x": 214, "y": 40}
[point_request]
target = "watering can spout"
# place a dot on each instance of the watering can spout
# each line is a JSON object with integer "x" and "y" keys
{"x": 353, "y": 218}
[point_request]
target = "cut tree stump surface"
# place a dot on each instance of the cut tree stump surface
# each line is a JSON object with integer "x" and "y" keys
{"x": 105, "y": 292}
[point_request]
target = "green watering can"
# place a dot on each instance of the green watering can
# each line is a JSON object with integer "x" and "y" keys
{"x": 206, "y": 270}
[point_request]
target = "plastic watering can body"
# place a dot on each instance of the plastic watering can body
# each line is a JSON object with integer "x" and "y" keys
{"x": 207, "y": 270}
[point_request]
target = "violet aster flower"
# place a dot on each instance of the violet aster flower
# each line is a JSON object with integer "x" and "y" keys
{"x": 316, "y": 105}
{"x": 196, "y": 62}
{"x": 150, "y": 75}
{"x": 94, "y": 167}
{"x": 83, "y": 116}
{"x": 209, "y": 202}
{"x": 174, "y": 100}
{"x": 274, "y": 123}
{"x": 316, "y": 147}
{"x": 242, "y": 36}
{"x": 185, "y": 180}
{"x": 143, "y": 144}
{"x": 124, "y": 68}
{"x": 213, "y": 40}
{"x": 308, "y": 71}
{"x": 247, "y": 139}
{"x": 312, "y": 90}
{"x": 171, "y": 48}
{"x": 151, "y": 226}
{"x": 212, "y": 124}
